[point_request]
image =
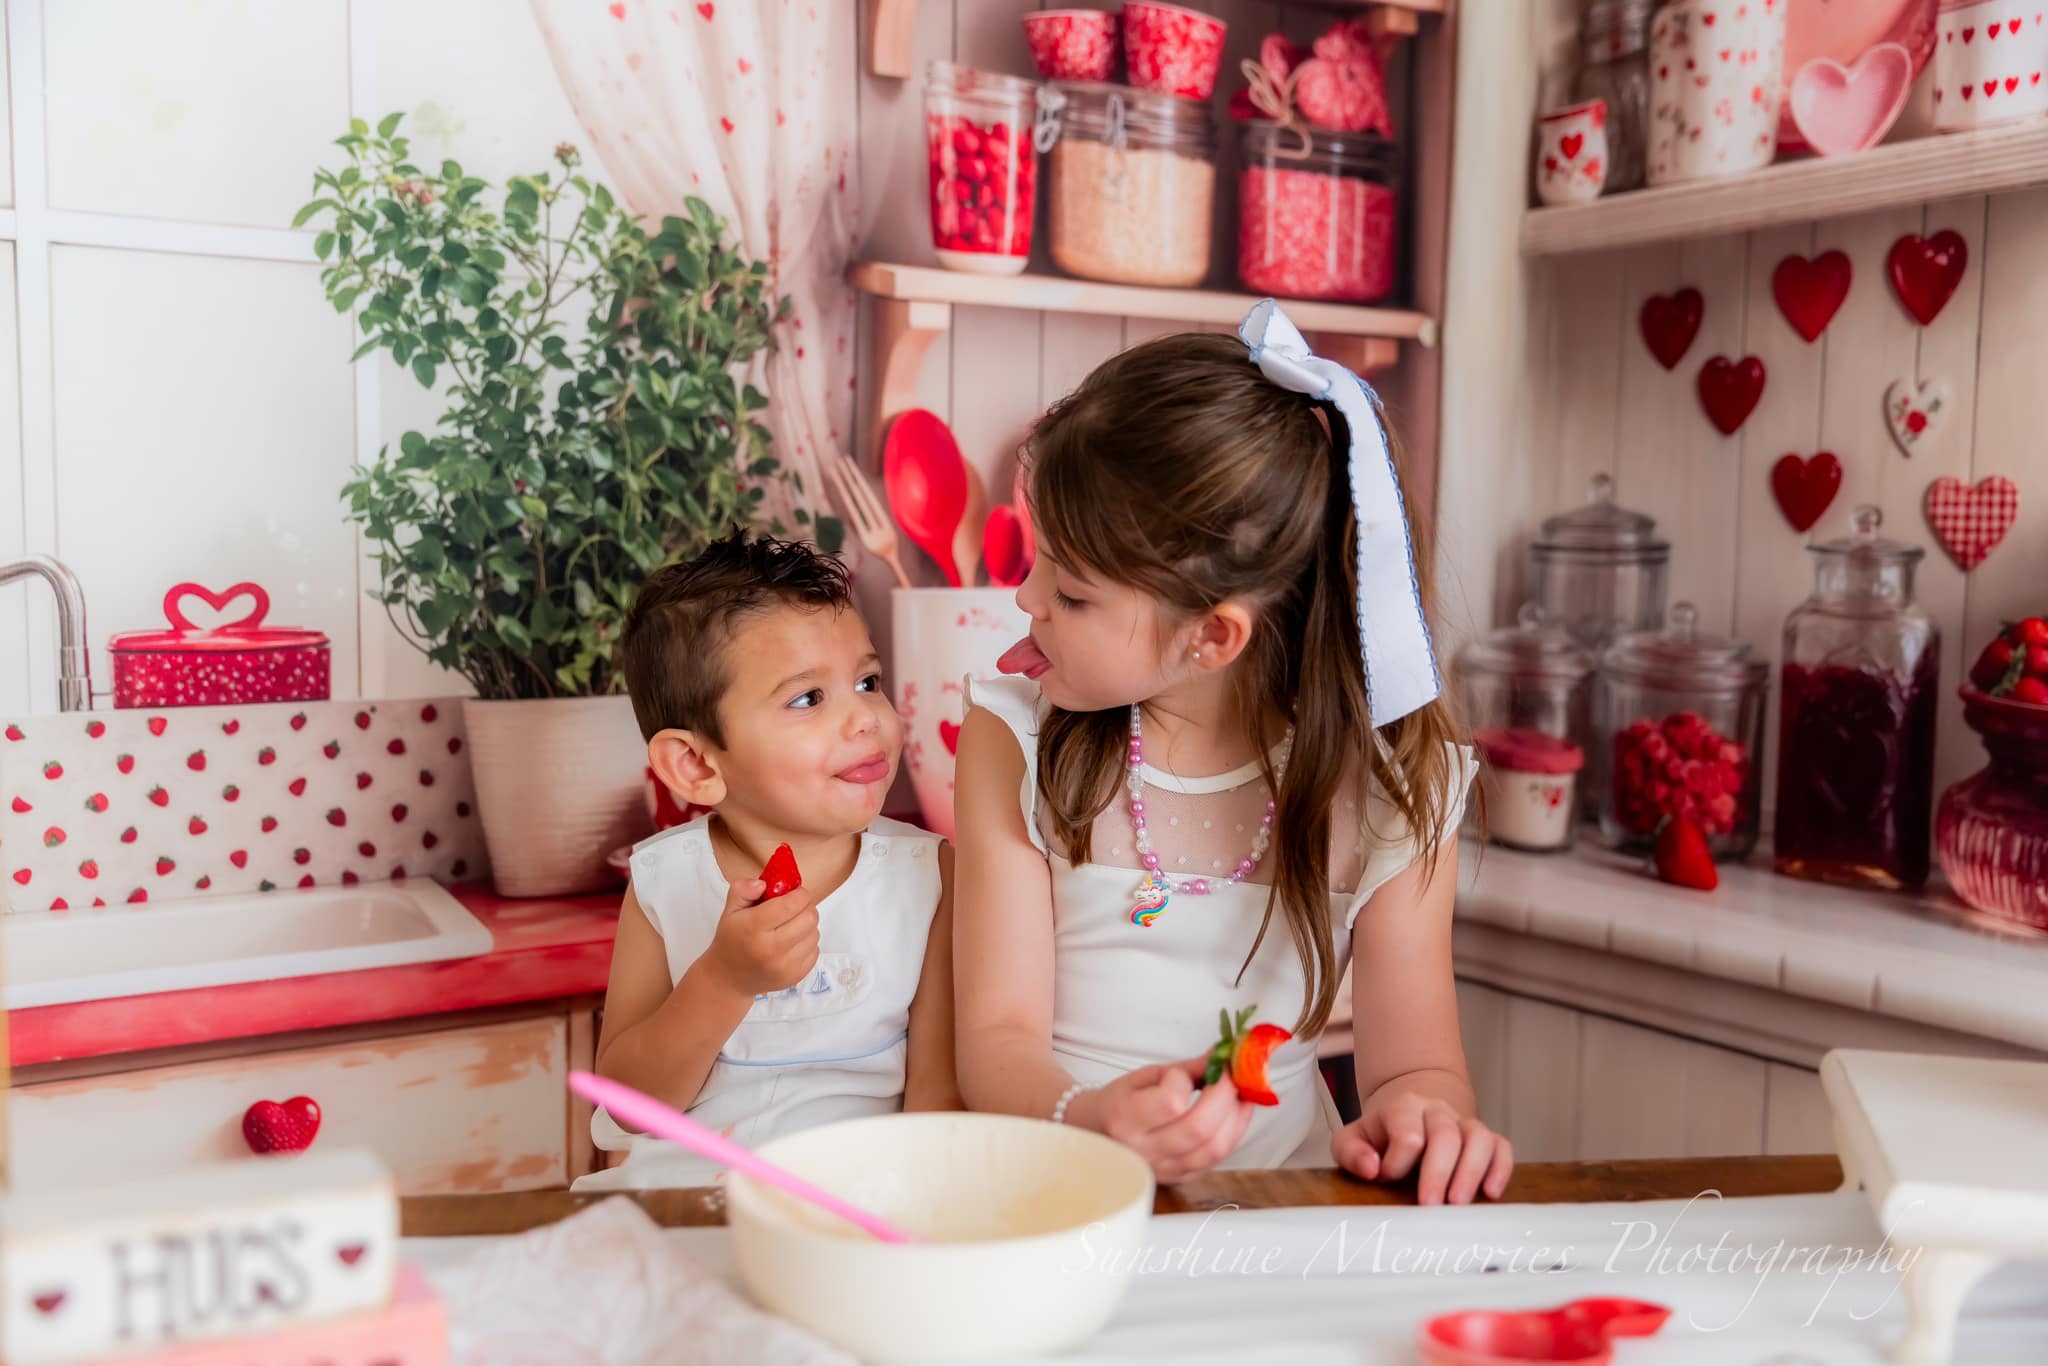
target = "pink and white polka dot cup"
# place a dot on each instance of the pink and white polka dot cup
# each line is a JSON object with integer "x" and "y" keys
{"x": 1172, "y": 49}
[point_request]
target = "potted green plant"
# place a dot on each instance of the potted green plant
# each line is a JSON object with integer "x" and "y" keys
{"x": 595, "y": 428}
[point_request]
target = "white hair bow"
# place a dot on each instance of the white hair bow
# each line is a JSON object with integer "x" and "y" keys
{"x": 1400, "y": 664}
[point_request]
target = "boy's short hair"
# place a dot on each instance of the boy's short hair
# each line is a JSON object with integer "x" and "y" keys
{"x": 685, "y": 615}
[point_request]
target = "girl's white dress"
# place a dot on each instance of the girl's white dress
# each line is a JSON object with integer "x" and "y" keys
{"x": 832, "y": 1047}
{"x": 1125, "y": 996}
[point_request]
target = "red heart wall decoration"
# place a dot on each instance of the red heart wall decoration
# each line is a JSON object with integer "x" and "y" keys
{"x": 1926, "y": 270}
{"x": 1670, "y": 322}
{"x": 1804, "y": 488}
{"x": 1970, "y": 522}
{"x": 1729, "y": 390}
{"x": 1809, "y": 292}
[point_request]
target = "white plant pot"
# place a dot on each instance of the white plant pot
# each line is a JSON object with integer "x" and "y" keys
{"x": 942, "y": 635}
{"x": 559, "y": 785}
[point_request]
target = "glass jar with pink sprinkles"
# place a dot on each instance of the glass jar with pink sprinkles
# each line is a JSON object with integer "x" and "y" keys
{"x": 1317, "y": 214}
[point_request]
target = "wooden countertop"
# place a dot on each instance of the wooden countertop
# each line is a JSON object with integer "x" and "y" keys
{"x": 1534, "y": 1183}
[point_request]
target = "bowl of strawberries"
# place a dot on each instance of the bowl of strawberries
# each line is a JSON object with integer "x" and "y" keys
{"x": 1991, "y": 829}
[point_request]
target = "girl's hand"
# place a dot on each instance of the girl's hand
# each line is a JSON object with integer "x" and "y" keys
{"x": 1148, "y": 1112}
{"x": 1458, "y": 1157}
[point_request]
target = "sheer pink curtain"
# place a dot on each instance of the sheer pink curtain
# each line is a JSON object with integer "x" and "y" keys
{"x": 751, "y": 106}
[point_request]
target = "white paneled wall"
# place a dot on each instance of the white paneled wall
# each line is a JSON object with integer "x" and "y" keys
{"x": 186, "y": 409}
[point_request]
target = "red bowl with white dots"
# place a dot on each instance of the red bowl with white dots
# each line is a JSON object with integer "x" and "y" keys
{"x": 1172, "y": 49}
{"x": 1072, "y": 44}
{"x": 237, "y": 660}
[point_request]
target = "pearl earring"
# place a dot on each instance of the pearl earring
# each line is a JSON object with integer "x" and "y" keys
{"x": 1198, "y": 656}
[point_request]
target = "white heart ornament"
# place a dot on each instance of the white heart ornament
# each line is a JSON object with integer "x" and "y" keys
{"x": 1913, "y": 411}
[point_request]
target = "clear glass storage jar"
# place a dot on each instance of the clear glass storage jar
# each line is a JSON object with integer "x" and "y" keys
{"x": 1614, "y": 43}
{"x": 979, "y": 130}
{"x": 1678, "y": 718}
{"x": 1131, "y": 182}
{"x": 1317, "y": 214}
{"x": 1856, "y": 708}
{"x": 1527, "y": 696}
{"x": 1599, "y": 571}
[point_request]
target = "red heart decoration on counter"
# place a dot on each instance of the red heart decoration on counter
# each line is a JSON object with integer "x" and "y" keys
{"x": 1926, "y": 270}
{"x": 174, "y": 606}
{"x": 1670, "y": 322}
{"x": 1729, "y": 390}
{"x": 271, "y": 1127}
{"x": 1809, "y": 292}
{"x": 1804, "y": 488}
{"x": 1970, "y": 522}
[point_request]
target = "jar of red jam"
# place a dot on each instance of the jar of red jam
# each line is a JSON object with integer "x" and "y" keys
{"x": 1856, "y": 717}
{"x": 979, "y": 127}
{"x": 1317, "y": 213}
{"x": 1678, "y": 719}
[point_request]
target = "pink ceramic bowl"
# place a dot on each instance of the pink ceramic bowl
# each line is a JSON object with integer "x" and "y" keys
{"x": 1172, "y": 49}
{"x": 1072, "y": 44}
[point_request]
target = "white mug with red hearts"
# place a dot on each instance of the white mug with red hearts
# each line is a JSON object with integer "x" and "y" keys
{"x": 1990, "y": 63}
{"x": 938, "y": 637}
{"x": 1716, "y": 87}
{"x": 1571, "y": 153}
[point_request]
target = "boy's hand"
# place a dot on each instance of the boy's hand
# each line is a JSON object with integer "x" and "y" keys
{"x": 1455, "y": 1158}
{"x": 762, "y": 946}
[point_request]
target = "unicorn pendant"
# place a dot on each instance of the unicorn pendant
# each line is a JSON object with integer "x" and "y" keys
{"x": 1148, "y": 900}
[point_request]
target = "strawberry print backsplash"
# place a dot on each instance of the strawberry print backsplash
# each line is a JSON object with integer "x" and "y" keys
{"x": 107, "y": 808}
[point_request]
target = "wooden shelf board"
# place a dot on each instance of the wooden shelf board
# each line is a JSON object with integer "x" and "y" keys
{"x": 1052, "y": 294}
{"x": 1937, "y": 167}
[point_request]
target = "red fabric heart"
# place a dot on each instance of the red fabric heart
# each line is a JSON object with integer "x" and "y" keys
{"x": 271, "y": 1127}
{"x": 1970, "y": 522}
{"x": 1926, "y": 270}
{"x": 1670, "y": 322}
{"x": 1804, "y": 488}
{"x": 1729, "y": 390}
{"x": 1809, "y": 292}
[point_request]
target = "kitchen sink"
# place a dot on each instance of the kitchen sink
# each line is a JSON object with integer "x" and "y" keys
{"x": 53, "y": 957}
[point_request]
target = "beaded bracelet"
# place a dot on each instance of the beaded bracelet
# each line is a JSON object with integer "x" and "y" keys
{"x": 1059, "y": 1111}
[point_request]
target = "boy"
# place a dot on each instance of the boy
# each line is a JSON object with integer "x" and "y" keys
{"x": 760, "y": 694}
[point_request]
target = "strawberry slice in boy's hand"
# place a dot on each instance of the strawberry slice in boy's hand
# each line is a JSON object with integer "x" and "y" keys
{"x": 1242, "y": 1053}
{"x": 780, "y": 873}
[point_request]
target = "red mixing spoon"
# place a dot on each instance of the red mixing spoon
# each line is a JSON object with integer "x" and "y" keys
{"x": 926, "y": 481}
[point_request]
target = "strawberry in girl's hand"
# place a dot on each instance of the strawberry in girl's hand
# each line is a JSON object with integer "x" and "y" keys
{"x": 1683, "y": 858}
{"x": 1242, "y": 1053}
{"x": 780, "y": 873}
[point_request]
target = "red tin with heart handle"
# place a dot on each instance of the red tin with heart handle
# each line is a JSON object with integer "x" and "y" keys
{"x": 1581, "y": 1333}
{"x": 238, "y": 660}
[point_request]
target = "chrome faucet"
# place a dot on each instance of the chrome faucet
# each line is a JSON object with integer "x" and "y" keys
{"x": 74, "y": 669}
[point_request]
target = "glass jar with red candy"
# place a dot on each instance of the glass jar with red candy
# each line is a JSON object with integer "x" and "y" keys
{"x": 1677, "y": 718}
{"x": 1856, "y": 717}
{"x": 1316, "y": 213}
{"x": 979, "y": 127}
{"x": 1991, "y": 832}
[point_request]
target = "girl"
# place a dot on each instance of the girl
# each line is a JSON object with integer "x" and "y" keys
{"x": 1225, "y": 774}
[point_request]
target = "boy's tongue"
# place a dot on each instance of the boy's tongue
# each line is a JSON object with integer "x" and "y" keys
{"x": 1024, "y": 658}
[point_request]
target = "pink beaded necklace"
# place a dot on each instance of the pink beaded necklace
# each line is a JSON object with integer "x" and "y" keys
{"x": 1155, "y": 888}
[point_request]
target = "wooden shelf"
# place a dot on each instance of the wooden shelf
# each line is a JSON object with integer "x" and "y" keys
{"x": 914, "y": 305}
{"x": 1936, "y": 167}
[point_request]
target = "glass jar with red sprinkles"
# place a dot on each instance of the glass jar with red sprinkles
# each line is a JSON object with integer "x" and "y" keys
{"x": 1317, "y": 213}
{"x": 984, "y": 169}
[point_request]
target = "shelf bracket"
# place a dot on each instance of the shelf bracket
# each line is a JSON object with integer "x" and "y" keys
{"x": 1362, "y": 356}
{"x": 892, "y": 28}
{"x": 903, "y": 330}
{"x": 1387, "y": 23}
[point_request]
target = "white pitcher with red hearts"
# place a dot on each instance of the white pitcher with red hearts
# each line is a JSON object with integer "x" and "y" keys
{"x": 938, "y": 637}
{"x": 1716, "y": 86}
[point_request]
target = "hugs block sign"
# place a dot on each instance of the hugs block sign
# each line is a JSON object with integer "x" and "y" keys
{"x": 226, "y": 1250}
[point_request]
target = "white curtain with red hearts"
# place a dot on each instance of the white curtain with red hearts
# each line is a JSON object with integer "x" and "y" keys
{"x": 751, "y": 106}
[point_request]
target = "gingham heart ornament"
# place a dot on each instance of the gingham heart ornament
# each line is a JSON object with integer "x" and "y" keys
{"x": 1970, "y": 521}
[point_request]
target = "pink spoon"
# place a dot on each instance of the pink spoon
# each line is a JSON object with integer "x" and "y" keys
{"x": 1002, "y": 547}
{"x": 649, "y": 1115}
{"x": 926, "y": 481}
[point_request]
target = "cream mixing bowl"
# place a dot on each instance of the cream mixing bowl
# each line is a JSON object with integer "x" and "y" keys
{"x": 1028, "y": 1234}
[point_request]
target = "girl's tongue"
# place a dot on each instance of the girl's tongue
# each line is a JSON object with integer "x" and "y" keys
{"x": 1024, "y": 658}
